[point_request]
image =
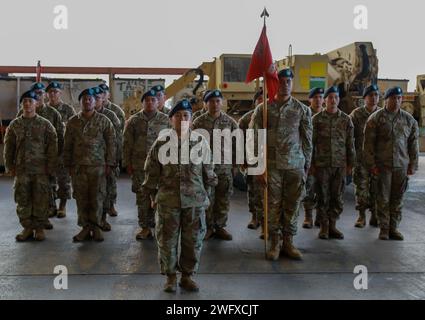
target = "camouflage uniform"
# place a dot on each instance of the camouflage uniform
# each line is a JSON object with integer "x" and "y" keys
{"x": 391, "y": 145}
{"x": 164, "y": 110}
{"x": 333, "y": 151}
{"x": 89, "y": 147}
{"x": 255, "y": 193}
{"x": 181, "y": 200}
{"x": 199, "y": 113}
{"x": 31, "y": 150}
{"x": 289, "y": 150}
{"x": 363, "y": 181}
{"x": 217, "y": 212}
{"x": 63, "y": 177}
{"x": 55, "y": 119}
{"x": 111, "y": 180}
{"x": 118, "y": 111}
{"x": 139, "y": 135}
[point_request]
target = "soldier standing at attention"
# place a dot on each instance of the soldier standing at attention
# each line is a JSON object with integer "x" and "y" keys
{"x": 333, "y": 160}
{"x": 217, "y": 213}
{"x": 204, "y": 109}
{"x": 89, "y": 155}
{"x": 30, "y": 156}
{"x": 364, "y": 182}
{"x": 121, "y": 116}
{"x": 54, "y": 93}
{"x": 179, "y": 192}
{"x": 141, "y": 130}
{"x": 111, "y": 179}
{"x": 315, "y": 98}
{"x": 160, "y": 95}
{"x": 391, "y": 153}
{"x": 288, "y": 160}
{"x": 255, "y": 202}
{"x": 55, "y": 119}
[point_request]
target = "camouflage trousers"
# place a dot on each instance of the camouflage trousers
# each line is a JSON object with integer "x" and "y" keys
{"x": 218, "y": 210}
{"x": 365, "y": 188}
{"x": 330, "y": 186}
{"x": 52, "y": 193}
{"x": 64, "y": 183}
{"x": 145, "y": 213}
{"x": 285, "y": 191}
{"x": 89, "y": 191}
{"x": 179, "y": 228}
{"x": 255, "y": 198}
{"x": 391, "y": 186}
{"x": 310, "y": 199}
{"x": 32, "y": 194}
{"x": 111, "y": 190}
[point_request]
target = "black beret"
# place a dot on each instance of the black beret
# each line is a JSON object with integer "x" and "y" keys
{"x": 98, "y": 90}
{"x": 392, "y": 92}
{"x": 158, "y": 88}
{"x": 181, "y": 105}
{"x": 369, "y": 89}
{"x": 104, "y": 87}
{"x": 28, "y": 94}
{"x": 258, "y": 94}
{"x": 315, "y": 91}
{"x": 149, "y": 93}
{"x": 86, "y": 92}
{"x": 213, "y": 94}
{"x": 205, "y": 95}
{"x": 285, "y": 73}
{"x": 37, "y": 86}
{"x": 54, "y": 85}
{"x": 333, "y": 89}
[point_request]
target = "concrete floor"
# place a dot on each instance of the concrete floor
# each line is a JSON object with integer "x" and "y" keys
{"x": 123, "y": 268}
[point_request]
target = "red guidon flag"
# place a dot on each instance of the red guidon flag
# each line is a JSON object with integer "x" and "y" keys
{"x": 262, "y": 64}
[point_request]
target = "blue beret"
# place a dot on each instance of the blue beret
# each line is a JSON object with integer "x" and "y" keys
{"x": 213, "y": 94}
{"x": 285, "y": 73}
{"x": 28, "y": 94}
{"x": 392, "y": 92}
{"x": 98, "y": 90}
{"x": 205, "y": 95}
{"x": 258, "y": 94}
{"x": 333, "y": 89}
{"x": 181, "y": 105}
{"x": 104, "y": 87}
{"x": 54, "y": 85}
{"x": 158, "y": 88}
{"x": 86, "y": 92}
{"x": 37, "y": 86}
{"x": 149, "y": 93}
{"x": 315, "y": 91}
{"x": 369, "y": 89}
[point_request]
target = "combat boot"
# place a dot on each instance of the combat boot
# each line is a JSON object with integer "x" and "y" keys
{"x": 308, "y": 219}
{"x": 39, "y": 234}
{"x": 373, "y": 221}
{"x": 394, "y": 234}
{"x": 187, "y": 283}
{"x": 254, "y": 223}
{"x": 274, "y": 250}
{"x": 61, "y": 212}
{"x": 97, "y": 234}
{"x": 48, "y": 225}
{"x": 223, "y": 234}
{"x": 52, "y": 212}
{"x": 333, "y": 231}
{"x": 82, "y": 235}
{"x": 25, "y": 234}
{"x": 171, "y": 284}
{"x": 361, "y": 220}
{"x": 289, "y": 250}
{"x": 104, "y": 225}
{"x": 384, "y": 234}
{"x": 112, "y": 212}
{"x": 324, "y": 229}
{"x": 144, "y": 234}
{"x": 209, "y": 234}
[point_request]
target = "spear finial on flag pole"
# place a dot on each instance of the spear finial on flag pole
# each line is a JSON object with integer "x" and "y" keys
{"x": 38, "y": 71}
{"x": 264, "y": 14}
